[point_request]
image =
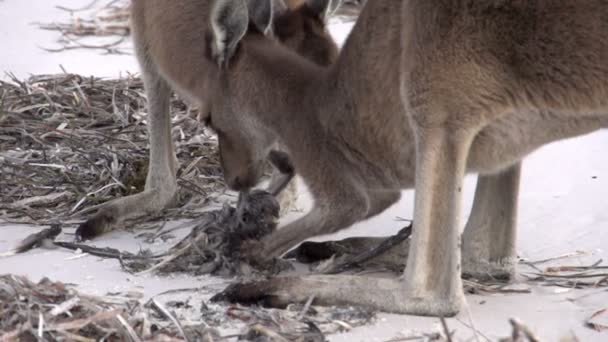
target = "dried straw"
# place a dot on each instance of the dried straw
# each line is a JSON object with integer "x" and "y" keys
{"x": 111, "y": 19}
{"x": 52, "y": 311}
{"x": 68, "y": 142}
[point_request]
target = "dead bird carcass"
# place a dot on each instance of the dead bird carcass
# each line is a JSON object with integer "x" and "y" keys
{"x": 214, "y": 244}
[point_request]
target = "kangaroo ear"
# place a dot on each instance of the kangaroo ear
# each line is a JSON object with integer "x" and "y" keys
{"x": 260, "y": 13}
{"x": 229, "y": 21}
{"x": 323, "y": 8}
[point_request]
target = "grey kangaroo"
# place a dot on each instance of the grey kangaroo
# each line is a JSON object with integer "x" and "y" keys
{"x": 423, "y": 91}
{"x": 171, "y": 48}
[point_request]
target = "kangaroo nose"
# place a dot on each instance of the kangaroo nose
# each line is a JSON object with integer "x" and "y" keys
{"x": 242, "y": 182}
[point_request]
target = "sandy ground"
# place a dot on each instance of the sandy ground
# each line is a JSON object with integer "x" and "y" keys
{"x": 562, "y": 210}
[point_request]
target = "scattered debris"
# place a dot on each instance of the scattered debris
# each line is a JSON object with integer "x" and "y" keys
{"x": 53, "y": 311}
{"x": 30, "y": 311}
{"x": 92, "y": 22}
{"x": 213, "y": 245}
{"x": 521, "y": 333}
{"x": 106, "y": 252}
{"x": 488, "y": 287}
{"x": 579, "y": 277}
{"x": 69, "y": 142}
{"x": 559, "y": 257}
{"x": 598, "y": 321}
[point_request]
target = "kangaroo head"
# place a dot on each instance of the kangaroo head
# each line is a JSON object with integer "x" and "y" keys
{"x": 244, "y": 143}
{"x": 302, "y": 26}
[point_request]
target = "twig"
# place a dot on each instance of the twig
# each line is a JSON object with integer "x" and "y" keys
{"x": 109, "y": 47}
{"x": 559, "y": 257}
{"x": 78, "y": 323}
{"x": 597, "y": 326}
{"x": 129, "y": 329}
{"x": 167, "y": 260}
{"x": 594, "y": 266}
{"x": 67, "y": 149}
{"x": 40, "y": 325}
{"x": 571, "y": 276}
{"x": 519, "y": 328}
{"x": 65, "y": 306}
{"x": 306, "y": 307}
{"x": 170, "y": 316}
{"x": 476, "y": 333}
{"x": 446, "y": 330}
{"x": 106, "y": 252}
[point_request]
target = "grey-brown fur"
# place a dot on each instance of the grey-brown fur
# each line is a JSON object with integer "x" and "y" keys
{"x": 423, "y": 92}
{"x": 171, "y": 42}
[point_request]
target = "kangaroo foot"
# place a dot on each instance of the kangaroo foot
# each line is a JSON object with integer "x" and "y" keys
{"x": 389, "y": 295}
{"x": 111, "y": 213}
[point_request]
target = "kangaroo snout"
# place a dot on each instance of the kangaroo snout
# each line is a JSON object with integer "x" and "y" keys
{"x": 241, "y": 183}
{"x": 244, "y": 179}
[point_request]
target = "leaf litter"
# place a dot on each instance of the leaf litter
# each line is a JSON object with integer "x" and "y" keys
{"x": 69, "y": 142}
{"x": 102, "y": 26}
{"x": 54, "y": 311}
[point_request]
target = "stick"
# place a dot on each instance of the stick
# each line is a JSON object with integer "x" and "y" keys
{"x": 519, "y": 328}
{"x": 571, "y": 276}
{"x": 476, "y": 333}
{"x": 172, "y": 257}
{"x": 106, "y": 252}
{"x": 594, "y": 266}
{"x": 40, "y": 325}
{"x": 65, "y": 306}
{"x": 306, "y": 307}
{"x": 129, "y": 329}
{"x": 446, "y": 330}
{"x": 563, "y": 256}
{"x": 168, "y": 314}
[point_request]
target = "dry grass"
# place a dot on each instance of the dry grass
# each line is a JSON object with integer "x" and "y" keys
{"x": 68, "y": 142}
{"x": 108, "y": 21}
{"x": 53, "y": 311}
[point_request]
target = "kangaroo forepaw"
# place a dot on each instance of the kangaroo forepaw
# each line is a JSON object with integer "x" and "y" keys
{"x": 100, "y": 223}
